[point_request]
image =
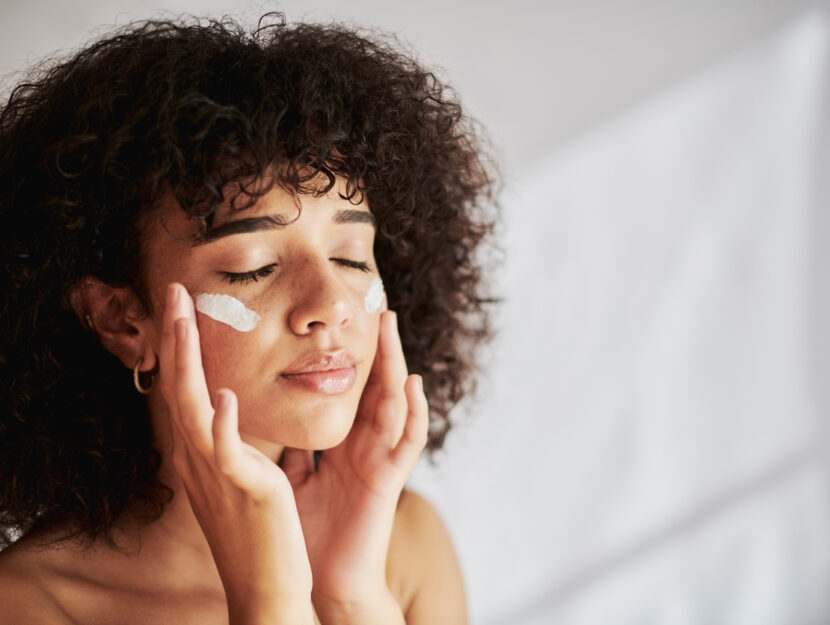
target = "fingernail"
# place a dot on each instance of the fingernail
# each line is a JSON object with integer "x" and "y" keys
{"x": 420, "y": 383}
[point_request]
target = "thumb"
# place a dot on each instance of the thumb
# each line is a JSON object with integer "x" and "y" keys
{"x": 296, "y": 464}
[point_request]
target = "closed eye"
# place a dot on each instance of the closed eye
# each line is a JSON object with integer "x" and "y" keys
{"x": 248, "y": 276}
{"x": 354, "y": 264}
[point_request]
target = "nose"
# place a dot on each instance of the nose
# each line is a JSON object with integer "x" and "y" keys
{"x": 321, "y": 300}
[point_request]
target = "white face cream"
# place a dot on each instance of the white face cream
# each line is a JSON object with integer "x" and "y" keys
{"x": 227, "y": 309}
{"x": 373, "y": 299}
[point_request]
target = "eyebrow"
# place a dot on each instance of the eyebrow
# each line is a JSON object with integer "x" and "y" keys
{"x": 271, "y": 222}
{"x": 352, "y": 216}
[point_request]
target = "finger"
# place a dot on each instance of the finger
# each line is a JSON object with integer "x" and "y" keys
{"x": 182, "y": 461}
{"x": 297, "y": 464}
{"x": 178, "y": 305}
{"x": 391, "y": 361}
{"x": 167, "y": 377}
{"x": 181, "y": 443}
{"x": 384, "y": 388}
{"x": 167, "y": 355}
{"x": 369, "y": 399}
{"x": 227, "y": 443}
{"x": 390, "y": 414}
{"x": 373, "y": 383}
{"x": 195, "y": 413}
{"x": 415, "y": 434}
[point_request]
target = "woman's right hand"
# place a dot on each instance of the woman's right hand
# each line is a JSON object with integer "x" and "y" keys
{"x": 242, "y": 499}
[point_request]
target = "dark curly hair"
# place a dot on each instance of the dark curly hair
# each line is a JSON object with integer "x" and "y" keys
{"x": 202, "y": 110}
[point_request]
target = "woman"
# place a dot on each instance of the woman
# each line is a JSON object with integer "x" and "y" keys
{"x": 214, "y": 210}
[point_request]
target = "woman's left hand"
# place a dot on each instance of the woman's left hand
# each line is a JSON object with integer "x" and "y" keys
{"x": 347, "y": 507}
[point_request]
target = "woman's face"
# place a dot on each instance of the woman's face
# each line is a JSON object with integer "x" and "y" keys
{"x": 299, "y": 373}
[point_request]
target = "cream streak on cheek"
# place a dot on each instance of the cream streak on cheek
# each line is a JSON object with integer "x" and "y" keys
{"x": 374, "y": 296}
{"x": 228, "y": 310}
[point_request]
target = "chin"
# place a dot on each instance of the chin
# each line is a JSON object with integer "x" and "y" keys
{"x": 317, "y": 428}
{"x": 321, "y": 436}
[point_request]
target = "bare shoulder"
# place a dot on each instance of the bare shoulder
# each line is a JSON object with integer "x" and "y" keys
{"x": 25, "y": 600}
{"x": 423, "y": 570}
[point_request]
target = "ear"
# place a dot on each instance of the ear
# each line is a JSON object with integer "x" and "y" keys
{"x": 113, "y": 315}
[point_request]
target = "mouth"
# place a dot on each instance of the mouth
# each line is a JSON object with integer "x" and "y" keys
{"x": 328, "y": 373}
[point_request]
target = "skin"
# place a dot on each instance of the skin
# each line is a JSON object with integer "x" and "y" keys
{"x": 253, "y": 534}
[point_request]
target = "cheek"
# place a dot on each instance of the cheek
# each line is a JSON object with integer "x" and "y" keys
{"x": 226, "y": 354}
{"x": 227, "y": 330}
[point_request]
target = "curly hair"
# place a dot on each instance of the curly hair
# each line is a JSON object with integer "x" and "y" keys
{"x": 196, "y": 108}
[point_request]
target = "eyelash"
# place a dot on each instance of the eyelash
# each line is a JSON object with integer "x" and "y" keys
{"x": 267, "y": 270}
{"x": 354, "y": 264}
{"x": 248, "y": 276}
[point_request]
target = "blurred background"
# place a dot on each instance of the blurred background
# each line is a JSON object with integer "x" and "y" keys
{"x": 649, "y": 445}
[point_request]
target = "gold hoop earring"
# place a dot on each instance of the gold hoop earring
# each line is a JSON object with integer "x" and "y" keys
{"x": 137, "y": 377}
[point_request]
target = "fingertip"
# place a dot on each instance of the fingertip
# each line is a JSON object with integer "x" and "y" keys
{"x": 415, "y": 386}
{"x": 225, "y": 426}
{"x": 423, "y": 394}
{"x": 172, "y": 295}
{"x": 226, "y": 401}
{"x": 418, "y": 418}
{"x": 189, "y": 303}
{"x": 178, "y": 301}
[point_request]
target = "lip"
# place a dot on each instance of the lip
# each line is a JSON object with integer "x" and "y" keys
{"x": 328, "y": 372}
{"x": 321, "y": 361}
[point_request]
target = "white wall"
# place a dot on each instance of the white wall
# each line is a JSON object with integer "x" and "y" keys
{"x": 652, "y": 448}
